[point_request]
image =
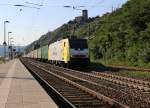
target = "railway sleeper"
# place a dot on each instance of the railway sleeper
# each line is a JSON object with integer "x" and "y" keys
{"x": 90, "y": 106}
{"x": 105, "y": 98}
{"x": 79, "y": 98}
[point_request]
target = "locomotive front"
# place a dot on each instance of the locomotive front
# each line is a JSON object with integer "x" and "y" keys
{"x": 79, "y": 52}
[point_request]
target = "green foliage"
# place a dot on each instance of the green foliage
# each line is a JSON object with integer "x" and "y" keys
{"x": 137, "y": 74}
{"x": 132, "y": 54}
{"x": 120, "y": 36}
{"x": 1, "y": 60}
{"x": 124, "y": 35}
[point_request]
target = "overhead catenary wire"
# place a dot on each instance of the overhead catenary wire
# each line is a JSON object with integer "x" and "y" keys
{"x": 33, "y": 4}
{"x": 35, "y": 17}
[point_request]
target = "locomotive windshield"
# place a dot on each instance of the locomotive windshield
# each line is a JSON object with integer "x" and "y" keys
{"x": 78, "y": 43}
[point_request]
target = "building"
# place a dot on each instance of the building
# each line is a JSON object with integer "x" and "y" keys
{"x": 78, "y": 18}
{"x": 85, "y": 15}
{"x": 82, "y": 18}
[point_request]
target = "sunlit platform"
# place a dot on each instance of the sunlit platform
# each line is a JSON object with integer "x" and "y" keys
{"x": 19, "y": 89}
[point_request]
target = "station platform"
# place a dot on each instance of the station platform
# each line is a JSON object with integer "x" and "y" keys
{"x": 19, "y": 89}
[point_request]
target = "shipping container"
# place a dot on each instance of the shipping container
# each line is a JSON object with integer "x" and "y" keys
{"x": 35, "y": 54}
{"x": 44, "y": 52}
{"x": 39, "y": 53}
{"x": 31, "y": 54}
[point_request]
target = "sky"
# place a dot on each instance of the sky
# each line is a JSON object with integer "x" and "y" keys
{"x": 28, "y": 24}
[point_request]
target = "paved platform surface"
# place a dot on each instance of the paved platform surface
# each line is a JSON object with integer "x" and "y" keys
{"x": 18, "y": 89}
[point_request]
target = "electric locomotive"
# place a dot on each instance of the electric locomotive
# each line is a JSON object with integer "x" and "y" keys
{"x": 69, "y": 52}
{"x": 63, "y": 52}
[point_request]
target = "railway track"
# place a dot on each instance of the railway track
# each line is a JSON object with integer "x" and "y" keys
{"x": 120, "y": 78}
{"x": 131, "y": 94}
{"x": 128, "y": 92}
{"x": 77, "y": 95}
{"x": 129, "y": 68}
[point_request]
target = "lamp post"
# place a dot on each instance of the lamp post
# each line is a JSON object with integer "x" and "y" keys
{"x": 11, "y": 48}
{"x": 8, "y": 37}
{"x": 5, "y": 44}
{"x": 8, "y": 45}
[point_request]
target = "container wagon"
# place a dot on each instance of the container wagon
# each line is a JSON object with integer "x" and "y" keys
{"x": 39, "y": 53}
{"x": 44, "y": 53}
{"x": 35, "y": 54}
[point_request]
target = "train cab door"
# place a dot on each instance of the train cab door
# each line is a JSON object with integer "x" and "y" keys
{"x": 65, "y": 52}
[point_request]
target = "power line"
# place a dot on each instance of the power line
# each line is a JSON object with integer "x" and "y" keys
{"x": 33, "y": 4}
{"x": 34, "y": 18}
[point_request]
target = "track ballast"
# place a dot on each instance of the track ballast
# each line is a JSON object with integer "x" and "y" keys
{"x": 105, "y": 90}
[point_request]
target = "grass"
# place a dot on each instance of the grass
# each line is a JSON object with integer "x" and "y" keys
{"x": 134, "y": 74}
{"x": 121, "y": 63}
{"x": 126, "y": 73}
{"x": 1, "y": 60}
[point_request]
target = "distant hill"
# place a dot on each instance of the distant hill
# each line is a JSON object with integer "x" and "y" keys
{"x": 1, "y": 50}
{"x": 18, "y": 49}
{"x": 122, "y": 36}
{"x": 64, "y": 31}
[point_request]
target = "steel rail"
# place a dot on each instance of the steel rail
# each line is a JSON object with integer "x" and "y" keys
{"x": 87, "y": 90}
{"x": 129, "y": 68}
{"x": 131, "y": 80}
{"x": 78, "y": 75}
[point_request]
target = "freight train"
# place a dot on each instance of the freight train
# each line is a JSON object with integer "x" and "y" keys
{"x": 65, "y": 52}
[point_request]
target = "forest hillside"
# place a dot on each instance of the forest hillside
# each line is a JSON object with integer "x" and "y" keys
{"x": 121, "y": 37}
